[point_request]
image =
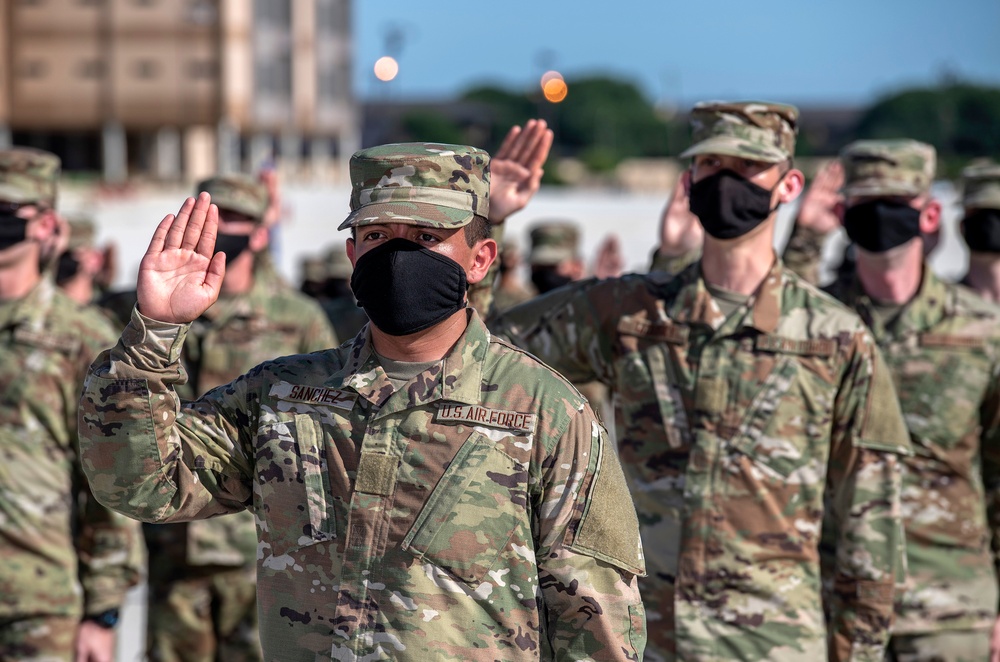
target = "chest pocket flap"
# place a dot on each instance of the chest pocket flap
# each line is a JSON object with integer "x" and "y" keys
{"x": 470, "y": 516}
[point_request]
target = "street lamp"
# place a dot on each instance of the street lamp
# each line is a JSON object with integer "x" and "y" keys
{"x": 386, "y": 68}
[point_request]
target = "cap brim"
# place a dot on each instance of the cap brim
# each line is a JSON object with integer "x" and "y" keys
{"x": 16, "y": 195}
{"x": 880, "y": 189}
{"x": 544, "y": 257}
{"x": 730, "y": 146}
{"x": 407, "y": 213}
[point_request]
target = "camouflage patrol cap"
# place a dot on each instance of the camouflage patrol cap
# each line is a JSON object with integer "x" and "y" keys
{"x": 240, "y": 193}
{"x": 981, "y": 185}
{"x": 29, "y": 175}
{"x": 313, "y": 269}
{"x": 554, "y": 242}
{"x": 887, "y": 168}
{"x": 431, "y": 184}
{"x": 82, "y": 232}
{"x": 757, "y": 130}
{"x": 338, "y": 265}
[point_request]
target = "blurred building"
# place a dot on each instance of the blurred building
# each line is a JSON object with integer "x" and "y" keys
{"x": 177, "y": 89}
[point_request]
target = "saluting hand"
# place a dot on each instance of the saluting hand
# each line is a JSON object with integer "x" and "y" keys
{"x": 820, "y": 204}
{"x": 516, "y": 169}
{"x": 680, "y": 230}
{"x": 179, "y": 277}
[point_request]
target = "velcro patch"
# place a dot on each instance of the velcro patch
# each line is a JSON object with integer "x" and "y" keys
{"x": 479, "y": 415}
{"x": 315, "y": 395}
{"x": 946, "y": 340}
{"x": 782, "y": 345}
{"x": 376, "y": 473}
{"x": 664, "y": 331}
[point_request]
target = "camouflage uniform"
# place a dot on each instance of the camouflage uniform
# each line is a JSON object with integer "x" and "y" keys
{"x": 472, "y": 514}
{"x": 943, "y": 351}
{"x": 64, "y": 555}
{"x": 739, "y": 436}
{"x": 554, "y": 242}
{"x": 202, "y": 598}
{"x": 508, "y": 295}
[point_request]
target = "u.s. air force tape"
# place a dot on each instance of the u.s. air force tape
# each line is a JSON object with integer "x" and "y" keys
{"x": 479, "y": 415}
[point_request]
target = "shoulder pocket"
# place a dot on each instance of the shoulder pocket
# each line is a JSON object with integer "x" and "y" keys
{"x": 294, "y": 486}
{"x": 470, "y": 516}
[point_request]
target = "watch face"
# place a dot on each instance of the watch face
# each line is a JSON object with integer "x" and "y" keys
{"x": 107, "y": 619}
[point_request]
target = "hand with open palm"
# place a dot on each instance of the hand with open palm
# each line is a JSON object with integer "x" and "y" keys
{"x": 180, "y": 275}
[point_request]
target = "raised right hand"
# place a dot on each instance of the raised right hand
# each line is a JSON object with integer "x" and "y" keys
{"x": 179, "y": 278}
{"x": 819, "y": 209}
{"x": 680, "y": 230}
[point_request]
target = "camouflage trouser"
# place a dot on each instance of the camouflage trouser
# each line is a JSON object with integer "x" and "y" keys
{"x": 954, "y": 646}
{"x": 204, "y": 614}
{"x": 38, "y": 639}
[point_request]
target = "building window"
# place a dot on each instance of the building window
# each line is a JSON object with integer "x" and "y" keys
{"x": 202, "y": 69}
{"x": 144, "y": 3}
{"x": 147, "y": 69}
{"x": 333, "y": 17}
{"x": 275, "y": 13}
{"x": 202, "y": 12}
{"x": 30, "y": 3}
{"x": 33, "y": 69}
{"x": 90, "y": 69}
{"x": 90, "y": 3}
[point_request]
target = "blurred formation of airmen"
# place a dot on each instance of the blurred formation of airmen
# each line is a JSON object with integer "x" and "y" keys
{"x": 981, "y": 227}
{"x": 941, "y": 343}
{"x": 752, "y": 413}
{"x": 510, "y": 288}
{"x": 328, "y": 280}
{"x": 67, "y": 561}
{"x": 554, "y": 256}
{"x": 426, "y": 491}
{"x": 202, "y": 598}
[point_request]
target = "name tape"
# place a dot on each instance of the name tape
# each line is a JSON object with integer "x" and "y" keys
{"x": 317, "y": 395}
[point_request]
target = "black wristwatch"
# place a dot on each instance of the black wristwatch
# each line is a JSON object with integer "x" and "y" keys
{"x": 106, "y": 619}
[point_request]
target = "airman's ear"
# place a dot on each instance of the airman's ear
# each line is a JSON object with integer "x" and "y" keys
{"x": 930, "y": 217}
{"x": 486, "y": 253}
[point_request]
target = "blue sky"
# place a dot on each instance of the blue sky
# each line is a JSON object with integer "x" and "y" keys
{"x": 805, "y": 52}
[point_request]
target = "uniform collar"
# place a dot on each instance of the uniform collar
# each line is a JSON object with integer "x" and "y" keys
{"x": 693, "y": 304}
{"x": 457, "y": 378}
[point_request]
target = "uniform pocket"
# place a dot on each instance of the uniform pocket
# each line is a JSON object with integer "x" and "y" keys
{"x": 469, "y": 517}
{"x": 295, "y": 497}
{"x": 773, "y": 431}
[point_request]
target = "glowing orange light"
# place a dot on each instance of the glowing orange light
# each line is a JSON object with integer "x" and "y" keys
{"x": 386, "y": 68}
{"x": 550, "y": 75}
{"x": 555, "y": 90}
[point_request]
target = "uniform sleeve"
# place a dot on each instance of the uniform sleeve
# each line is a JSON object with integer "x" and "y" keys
{"x": 804, "y": 253}
{"x": 673, "y": 264}
{"x": 588, "y": 550}
{"x": 109, "y": 546}
{"x": 150, "y": 458}
{"x": 863, "y": 513}
{"x": 989, "y": 416}
{"x": 563, "y": 329}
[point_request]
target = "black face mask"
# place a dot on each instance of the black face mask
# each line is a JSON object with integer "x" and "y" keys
{"x": 13, "y": 230}
{"x": 981, "y": 230}
{"x": 66, "y": 267}
{"x": 405, "y": 288}
{"x": 547, "y": 279}
{"x": 232, "y": 245}
{"x": 728, "y": 205}
{"x": 880, "y": 225}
